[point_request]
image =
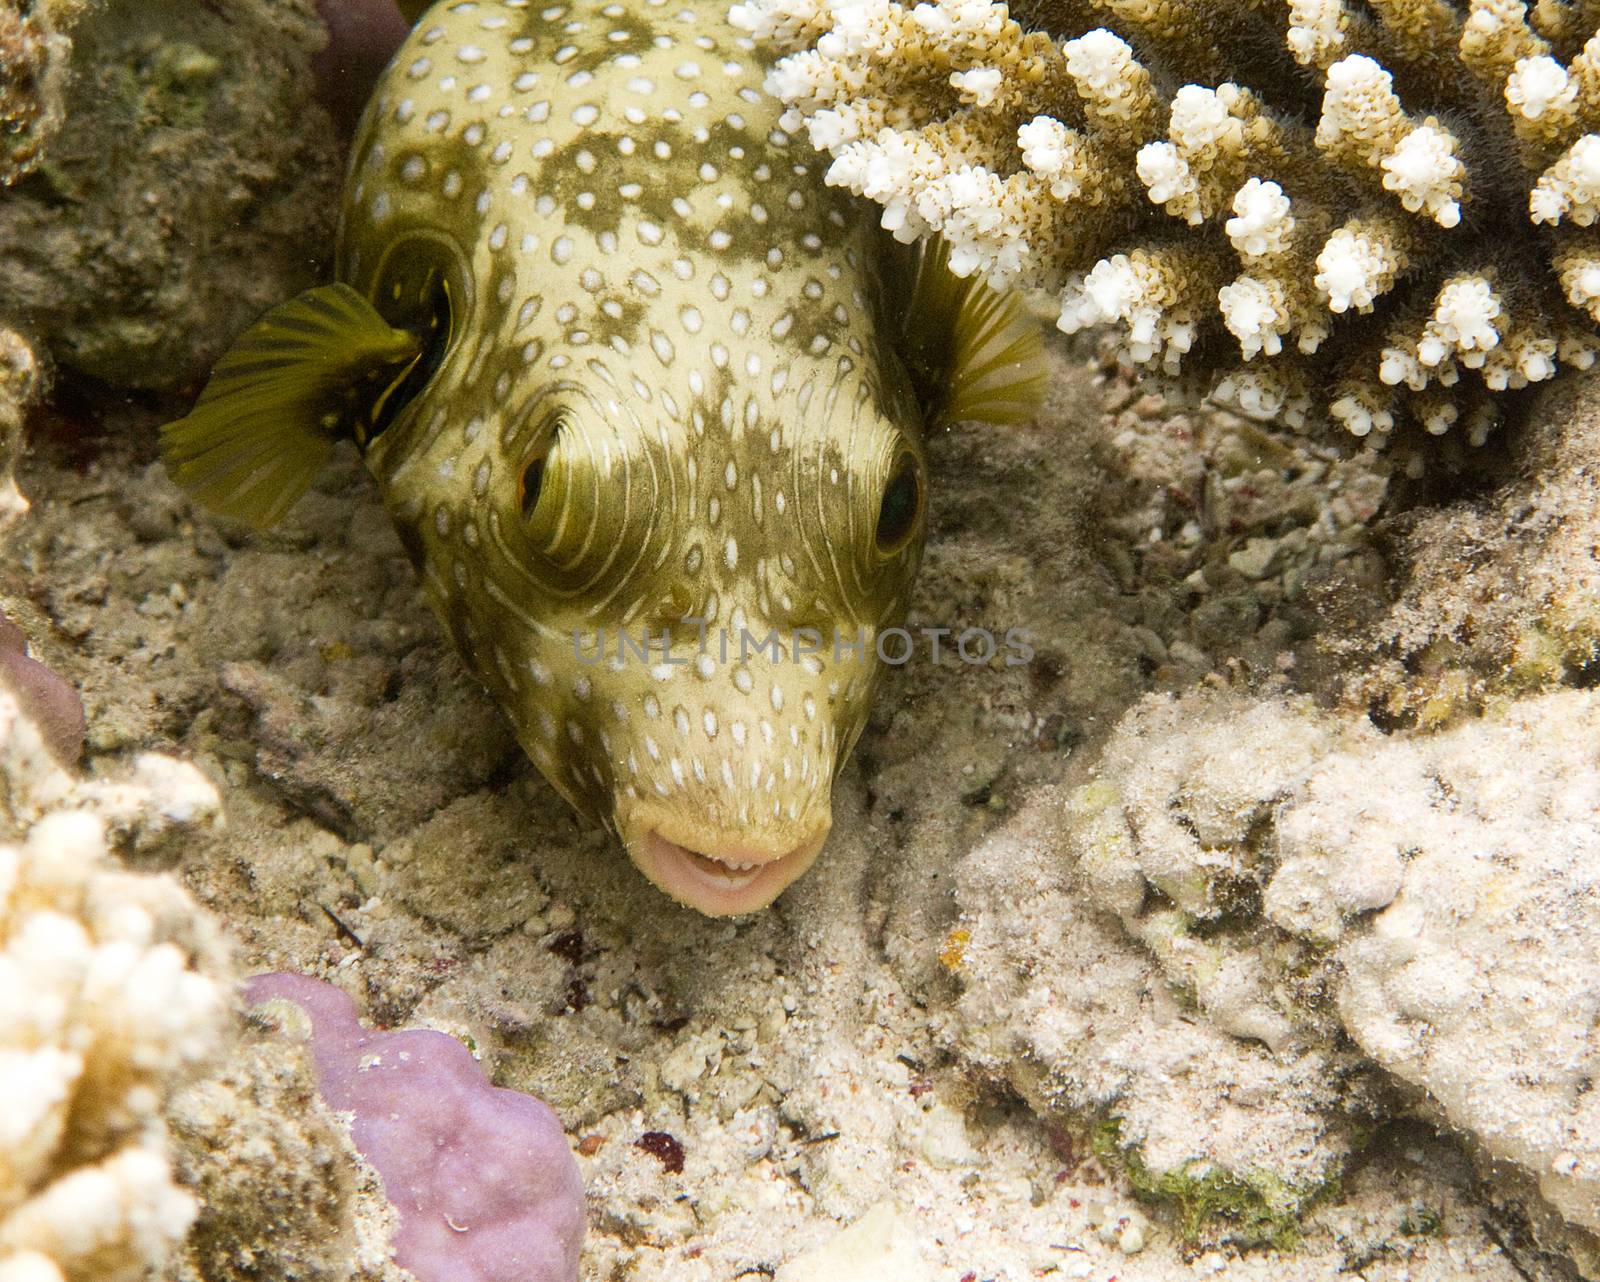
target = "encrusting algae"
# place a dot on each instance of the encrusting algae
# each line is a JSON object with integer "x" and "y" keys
{"x": 646, "y": 402}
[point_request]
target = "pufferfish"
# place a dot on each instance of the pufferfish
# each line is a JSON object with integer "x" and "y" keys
{"x": 646, "y": 401}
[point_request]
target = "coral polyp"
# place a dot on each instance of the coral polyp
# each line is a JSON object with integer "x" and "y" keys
{"x": 1379, "y": 214}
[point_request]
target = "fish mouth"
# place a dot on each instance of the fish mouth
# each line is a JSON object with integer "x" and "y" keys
{"x": 725, "y": 880}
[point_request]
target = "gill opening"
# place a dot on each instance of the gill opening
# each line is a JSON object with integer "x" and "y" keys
{"x": 437, "y": 335}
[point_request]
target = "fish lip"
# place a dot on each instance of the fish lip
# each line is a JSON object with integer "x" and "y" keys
{"x": 679, "y": 871}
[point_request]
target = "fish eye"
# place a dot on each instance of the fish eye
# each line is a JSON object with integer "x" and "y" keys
{"x": 530, "y": 485}
{"x": 900, "y": 506}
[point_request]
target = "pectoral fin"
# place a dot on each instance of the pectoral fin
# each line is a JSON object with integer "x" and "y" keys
{"x": 972, "y": 351}
{"x": 279, "y": 397}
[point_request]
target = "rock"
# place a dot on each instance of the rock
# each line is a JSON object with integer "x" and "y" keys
{"x": 34, "y": 52}
{"x": 190, "y": 185}
{"x": 1271, "y": 857}
{"x": 1499, "y": 595}
{"x": 1479, "y": 985}
{"x": 283, "y": 1194}
{"x": 1088, "y": 1018}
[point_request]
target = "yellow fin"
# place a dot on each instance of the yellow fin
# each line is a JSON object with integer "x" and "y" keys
{"x": 973, "y": 352}
{"x": 276, "y": 400}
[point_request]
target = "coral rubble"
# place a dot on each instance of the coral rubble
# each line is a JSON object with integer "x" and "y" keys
{"x": 1382, "y": 213}
{"x": 1499, "y": 593}
{"x": 1241, "y": 1135}
{"x": 878, "y": 1245}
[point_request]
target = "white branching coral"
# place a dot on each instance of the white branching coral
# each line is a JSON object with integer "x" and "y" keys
{"x": 1256, "y": 312}
{"x": 1146, "y": 294}
{"x": 1570, "y": 189}
{"x": 1542, "y": 96}
{"x": 1358, "y": 263}
{"x": 1055, "y": 153}
{"x": 112, "y": 993}
{"x": 1261, "y": 224}
{"x": 1113, "y": 87}
{"x": 1316, "y": 33}
{"x": 1376, "y": 212}
{"x": 1578, "y": 268}
{"x": 1463, "y": 321}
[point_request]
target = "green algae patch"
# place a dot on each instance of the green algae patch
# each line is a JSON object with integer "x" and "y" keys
{"x": 1252, "y": 1207}
{"x": 1421, "y": 1221}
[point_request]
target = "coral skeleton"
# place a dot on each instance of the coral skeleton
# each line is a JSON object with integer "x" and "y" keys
{"x": 1373, "y": 213}
{"x": 113, "y": 991}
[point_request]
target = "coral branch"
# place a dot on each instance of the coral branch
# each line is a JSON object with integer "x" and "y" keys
{"x": 113, "y": 992}
{"x": 1385, "y": 236}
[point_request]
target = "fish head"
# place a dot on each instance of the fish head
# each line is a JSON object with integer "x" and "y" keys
{"x": 644, "y": 396}
{"x": 672, "y": 573}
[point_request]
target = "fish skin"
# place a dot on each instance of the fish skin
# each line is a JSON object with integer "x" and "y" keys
{"x": 642, "y": 261}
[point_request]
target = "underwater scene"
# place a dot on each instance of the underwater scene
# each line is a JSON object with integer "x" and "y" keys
{"x": 812, "y": 640}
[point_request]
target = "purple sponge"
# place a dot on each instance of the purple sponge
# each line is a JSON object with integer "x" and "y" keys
{"x": 485, "y": 1185}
